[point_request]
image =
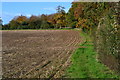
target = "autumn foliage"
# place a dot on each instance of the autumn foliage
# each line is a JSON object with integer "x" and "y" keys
{"x": 99, "y": 19}
{"x": 56, "y": 20}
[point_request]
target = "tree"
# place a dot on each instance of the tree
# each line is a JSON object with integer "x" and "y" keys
{"x": 45, "y": 25}
{"x": 6, "y": 27}
{"x": 14, "y": 24}
{"x": 60, "y": 9}
{"x": 60, "y": 17}
{"x": 34, "y": 22}
{"x": 44, "y": 22}
{"x": 78, "y": 11}
{"x": 70, "y": 18}
{"x": 1, "y": 23}
{"x": 19, "y": 22}
{"x": 51, "y": 19}
{"x": 21, "y": 19}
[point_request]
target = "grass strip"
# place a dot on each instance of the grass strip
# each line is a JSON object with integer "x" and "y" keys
{"x": 85, "y": 65}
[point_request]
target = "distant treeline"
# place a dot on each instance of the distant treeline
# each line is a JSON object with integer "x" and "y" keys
{"x": 80, "y": 15}
{"x": 56, "y": 20}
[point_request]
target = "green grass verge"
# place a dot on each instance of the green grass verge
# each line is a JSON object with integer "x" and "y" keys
{"x": 85, "y": 65}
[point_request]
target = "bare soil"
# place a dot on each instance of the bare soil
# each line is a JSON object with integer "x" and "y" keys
{"x": 111, "y": 61}
{"x": 37, "y": 53}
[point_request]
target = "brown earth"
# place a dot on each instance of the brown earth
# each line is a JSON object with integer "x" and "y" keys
{"x": 37, "y": 53}
{"x": 110, "y": 61}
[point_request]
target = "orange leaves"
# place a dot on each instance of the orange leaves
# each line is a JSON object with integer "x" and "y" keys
{"x": 21, "y": 18}
{"x": 78, "y": 11}
{"x": 60, "y": 19}
{"x": 33, "y": 18}
{"x": 50, "y": 18}
{"x": 82, "y": 23}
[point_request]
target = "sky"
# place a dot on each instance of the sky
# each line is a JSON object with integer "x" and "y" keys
{"x": 12, "y": 9}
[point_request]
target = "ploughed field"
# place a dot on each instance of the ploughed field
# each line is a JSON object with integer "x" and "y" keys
{"x": 37, "y": 53}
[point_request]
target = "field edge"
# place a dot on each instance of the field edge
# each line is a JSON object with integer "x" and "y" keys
{"x": 87, "y": 57}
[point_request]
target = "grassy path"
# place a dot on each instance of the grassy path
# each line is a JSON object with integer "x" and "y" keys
{"x": 85, "y": 65}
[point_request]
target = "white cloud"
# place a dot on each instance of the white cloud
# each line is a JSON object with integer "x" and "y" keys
{"x": 28, "y": 15}
{"x": 49, "y": 9}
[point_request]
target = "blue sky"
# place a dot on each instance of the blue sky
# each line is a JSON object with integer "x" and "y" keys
{"x": 12, "y": 9}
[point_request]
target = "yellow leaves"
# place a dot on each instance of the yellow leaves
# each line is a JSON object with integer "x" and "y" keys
{"x": 80, "y": 22}
{"x": 59, "y": 16}
{"x": 60, "y": 19}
